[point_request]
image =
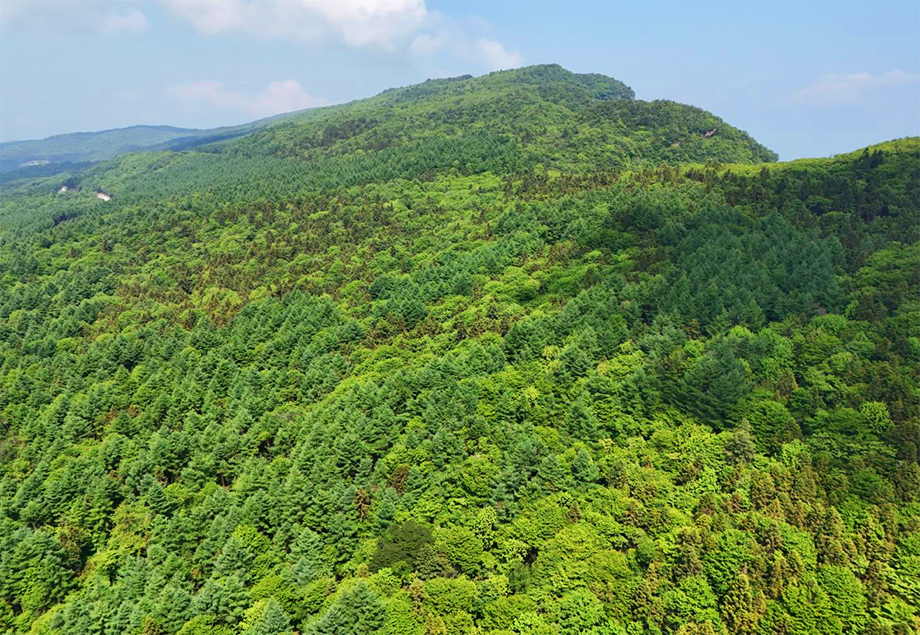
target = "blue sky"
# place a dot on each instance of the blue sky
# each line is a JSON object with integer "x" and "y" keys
{"x": 805, "y": 78}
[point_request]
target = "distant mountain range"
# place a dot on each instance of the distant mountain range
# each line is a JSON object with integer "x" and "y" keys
{"x": 91, "y": 147}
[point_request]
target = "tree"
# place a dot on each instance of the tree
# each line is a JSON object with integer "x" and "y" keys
{"x": 580, "y": 421}
{"x": 307, "y": 557}
{"x": 742, "y": 606}
{"x": 224, "y": 599}
{"x": 402, "y": 546}
{"x": 714, "y": 384}
{"x": 740, "y": 444}
{"x": 356, "y": 611}
{"x": 34, "y": 571}
{"x": 274, "y": 621}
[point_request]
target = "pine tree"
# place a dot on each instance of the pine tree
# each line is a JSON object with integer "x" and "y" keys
{"x": 580, "y": 421}
{"x": 741, "y": 606}
{"x": 307, "y": 557}
{"x": 356, "y": 611}
{"x": 234, "y": 559}
{"x": 583, "y": 468}
{"x": 274, "y": 621}
{"x": 224, "y": 598}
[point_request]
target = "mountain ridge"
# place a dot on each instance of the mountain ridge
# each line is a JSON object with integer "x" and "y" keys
{"x": 547, "y": 95}
{"x": 559, "y": 114}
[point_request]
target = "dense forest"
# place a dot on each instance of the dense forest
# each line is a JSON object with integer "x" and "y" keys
{"x": 507, "y": 355}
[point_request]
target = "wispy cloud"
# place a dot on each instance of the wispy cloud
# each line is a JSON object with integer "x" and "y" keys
{"x": 402, "y": 27}
{"x": 357, "y": 23}
{"x": 91, "y": 17}
{"x": 278, "y": 97}
{"x": 427, "y": 44}
{"x": 850, "y": 88}
{"x": 8, "y": 10}
{"x": 496, "y": 56}
{"x": 381, "y": 24}
{"x": 132, "y": 22}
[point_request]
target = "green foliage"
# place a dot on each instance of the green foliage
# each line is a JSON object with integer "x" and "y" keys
{"x": 273, "y": 621}
{"x": 406, "y": 545}
{"x": 476, "y": 355}
{"x": 356, "y": 611}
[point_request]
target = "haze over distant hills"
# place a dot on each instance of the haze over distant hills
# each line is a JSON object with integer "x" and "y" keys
{"x": 89, "y": 147}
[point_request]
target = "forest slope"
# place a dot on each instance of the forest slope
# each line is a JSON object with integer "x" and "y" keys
{"x": 468, "y": 381}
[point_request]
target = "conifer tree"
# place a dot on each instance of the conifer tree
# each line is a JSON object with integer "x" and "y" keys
{"x": 274, "y": 621}
{"x": 356, "y": 611}
{"x": 741, "y": 607}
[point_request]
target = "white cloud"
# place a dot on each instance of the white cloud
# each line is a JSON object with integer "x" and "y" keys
{"x": 426, "y": 44}
{"x": 10, "y": 9}
{"x": 133, "y": 21}
{"x": 277, "y": 98}
{"x": 405, "y": 27}
{"x": 358, "y": 23}
{"x": 88, "y": 17}
{"x": 496, "y": 56}
{"x": 850, "y": 88}
{"x": 463, "y": 40}
{"x": 283, "y": 97}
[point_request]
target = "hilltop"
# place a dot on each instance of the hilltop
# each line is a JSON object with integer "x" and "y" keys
{"x": 546, "y": 112}
{"x": 561, "y": 117}
{"x": 506, "y": 122}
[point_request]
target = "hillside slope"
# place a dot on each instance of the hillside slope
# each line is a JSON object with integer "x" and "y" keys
{"x": 422, "y": 379}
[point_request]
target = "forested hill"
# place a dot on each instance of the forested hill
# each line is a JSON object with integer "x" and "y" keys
{"x": 510, "y": 355}
{"x": 554, "y": 115}
{"x": 508, "y": 122}
{"x": 90, "y": 147}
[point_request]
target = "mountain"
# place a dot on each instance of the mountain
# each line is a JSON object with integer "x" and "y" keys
{"x": 554, "y": 114}
{"x": 558, "y": 116}
{"x": 482, "y": 355}
{"x": 504, "y": 122}
{"x": 90, "y": 147}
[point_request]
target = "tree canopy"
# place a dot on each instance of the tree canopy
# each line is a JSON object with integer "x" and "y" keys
{"x": 532, "y": 376}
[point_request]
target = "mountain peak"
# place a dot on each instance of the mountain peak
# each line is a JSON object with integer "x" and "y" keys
{"x": 568, "y": 120}
{"x": 596, "y": 85}
{"x": 542, "y": 113}
{"x": 551, "y": 80}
